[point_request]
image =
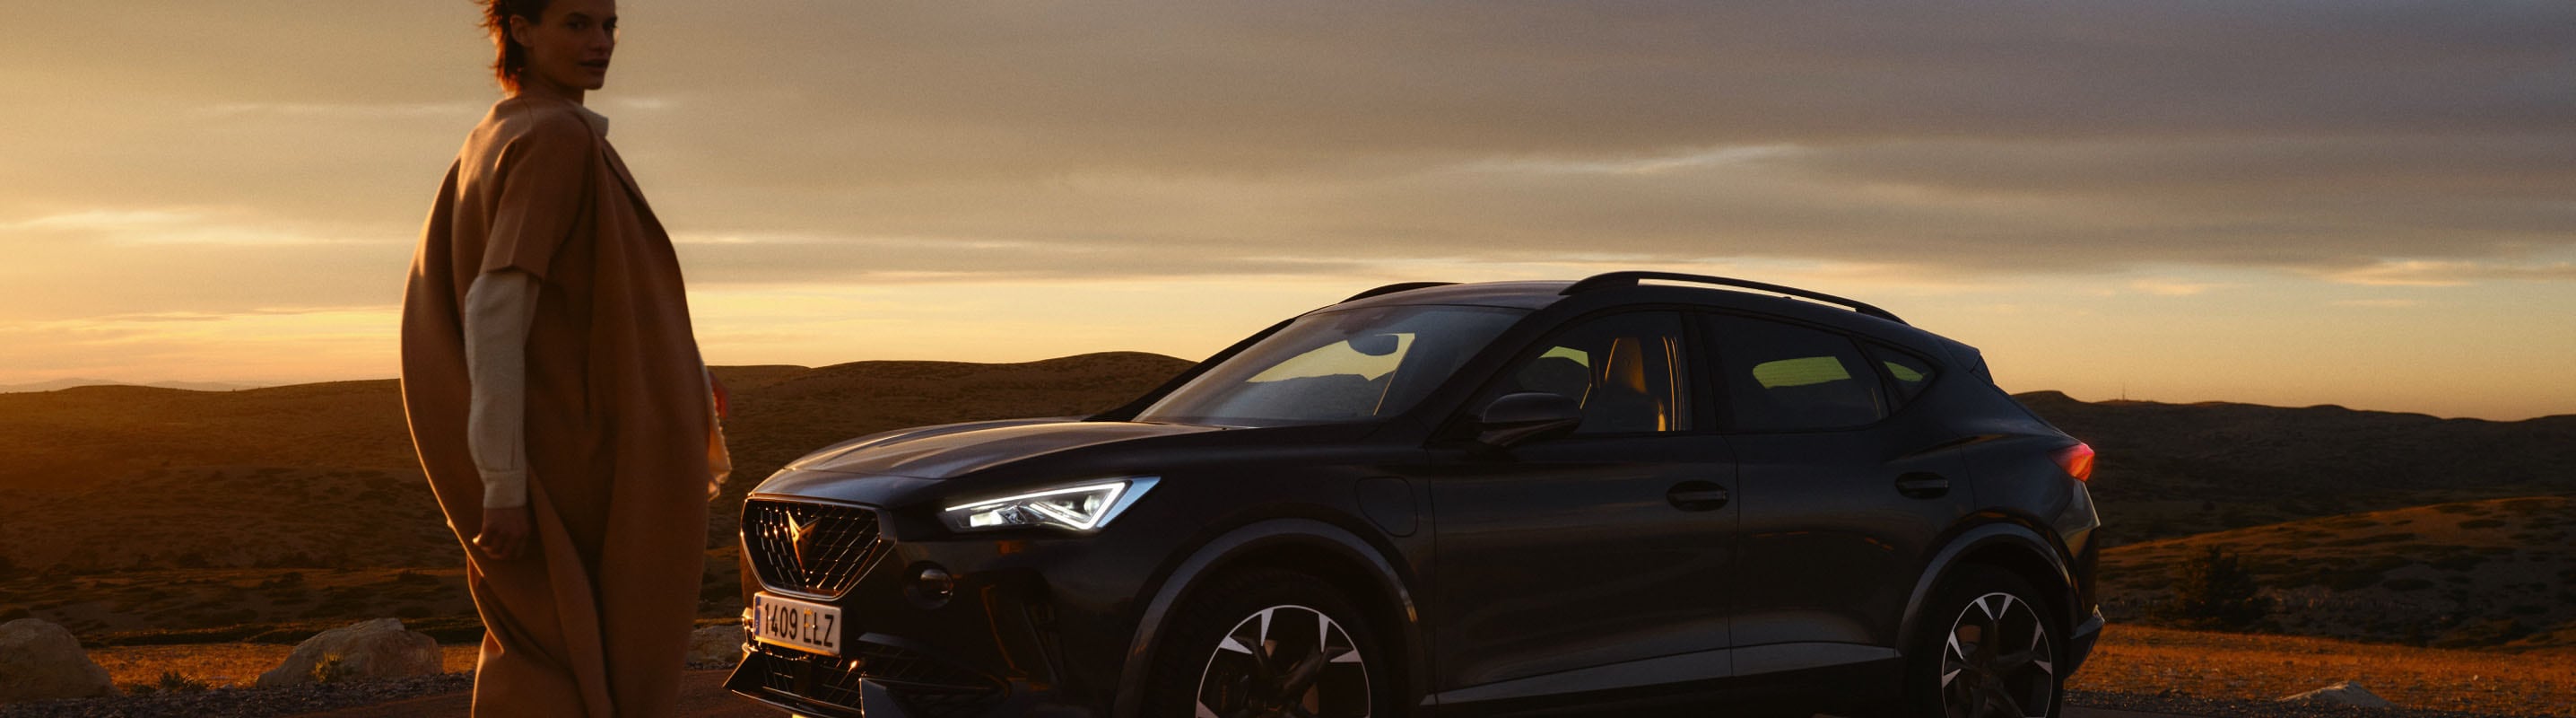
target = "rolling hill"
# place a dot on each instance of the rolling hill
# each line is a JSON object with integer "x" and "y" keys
{"x": 2168, "y": 470}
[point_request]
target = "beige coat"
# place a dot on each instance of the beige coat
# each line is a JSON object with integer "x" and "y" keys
{"x": 593, "y": 617}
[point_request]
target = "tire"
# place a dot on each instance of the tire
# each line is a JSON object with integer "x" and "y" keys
{"x": 1235, "y": 647}
{"x": 2003, "y": 665}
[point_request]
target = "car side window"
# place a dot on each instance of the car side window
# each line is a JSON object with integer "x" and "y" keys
{"x": 1785, "y": 377}
{"x": 1626, "y": 371}
{"x": 1905, "y": 371}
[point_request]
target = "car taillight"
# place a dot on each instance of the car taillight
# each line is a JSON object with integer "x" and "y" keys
{"x": 2077, "y": 460}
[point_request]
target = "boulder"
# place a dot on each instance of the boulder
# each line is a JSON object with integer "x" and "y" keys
{"x": 716, "y": 644}
{"x": 41, "y": 661}
{"x": 357, "y": 652}
{"x": 2346, "y": 693}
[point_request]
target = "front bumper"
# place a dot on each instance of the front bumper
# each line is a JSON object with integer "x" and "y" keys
{"x": 882, "y": 680}
{"x": 1034, "y": 625}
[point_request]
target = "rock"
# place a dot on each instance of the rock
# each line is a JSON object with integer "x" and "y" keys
{"x": 42, "y": 661}
{"x": 2346, "y": 693}
{"x": 716, "y": 644}
{"x": 356, "y": 652}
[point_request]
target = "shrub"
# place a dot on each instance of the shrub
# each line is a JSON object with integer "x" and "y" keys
{"x": 2213, "y": 590}
{"x": 172, "y": 682}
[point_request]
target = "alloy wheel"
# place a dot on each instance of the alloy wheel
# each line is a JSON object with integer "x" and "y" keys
{"x": 1998, "y": 662}
{"x": 1285, "y": 662}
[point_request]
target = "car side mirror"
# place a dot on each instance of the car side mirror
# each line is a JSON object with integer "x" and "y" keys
{"x": 1525, "y": 416}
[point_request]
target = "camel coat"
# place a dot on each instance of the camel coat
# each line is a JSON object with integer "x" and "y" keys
{"x": 593, "y": 616}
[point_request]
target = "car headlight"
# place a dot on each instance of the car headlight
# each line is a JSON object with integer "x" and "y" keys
{"x": 1084, "y": 507}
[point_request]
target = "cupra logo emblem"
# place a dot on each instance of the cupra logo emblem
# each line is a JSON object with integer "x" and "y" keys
{"x": 799, "y": 534}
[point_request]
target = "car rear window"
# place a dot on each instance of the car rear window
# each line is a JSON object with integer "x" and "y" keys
{"x": 1908, "y": 373}
{"x": 1785, "y": 377}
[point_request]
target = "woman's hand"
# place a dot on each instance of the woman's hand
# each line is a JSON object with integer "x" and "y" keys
{"x": 504, "y": 531}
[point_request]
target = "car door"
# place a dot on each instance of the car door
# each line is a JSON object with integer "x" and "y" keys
{"x": 1842, "y": 498}
{"x": 1596, "y": 561}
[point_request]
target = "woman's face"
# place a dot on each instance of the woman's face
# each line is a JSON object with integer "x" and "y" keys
{"x": 568, "y": 50}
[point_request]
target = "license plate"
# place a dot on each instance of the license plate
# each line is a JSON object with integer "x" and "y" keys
{"x": 801, "y": 625}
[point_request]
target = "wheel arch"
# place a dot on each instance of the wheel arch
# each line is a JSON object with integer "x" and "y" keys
{"x": 2001, "y": 543}
{"x": 1304, "y": 545}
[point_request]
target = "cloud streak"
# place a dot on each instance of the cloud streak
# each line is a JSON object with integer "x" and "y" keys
{"x": 2081, "y": 154}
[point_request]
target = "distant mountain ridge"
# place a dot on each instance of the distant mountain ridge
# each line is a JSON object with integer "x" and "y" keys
{"x": 61, "y": 384}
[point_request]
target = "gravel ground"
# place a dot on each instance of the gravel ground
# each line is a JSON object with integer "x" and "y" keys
{"x": 2186, "y": 705}
{"x": 257, "y": 702}
{"x": 244, "y": 702}
{"x": 269, "y": 702}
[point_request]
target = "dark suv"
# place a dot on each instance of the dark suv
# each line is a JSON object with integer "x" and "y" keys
{"x": 1636, "y": 491}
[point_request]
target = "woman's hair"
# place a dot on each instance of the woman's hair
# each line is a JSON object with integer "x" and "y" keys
{"x": 510, "y": 59}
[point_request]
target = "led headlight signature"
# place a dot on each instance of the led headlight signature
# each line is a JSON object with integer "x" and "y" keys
{"x": 1084, "y": 506}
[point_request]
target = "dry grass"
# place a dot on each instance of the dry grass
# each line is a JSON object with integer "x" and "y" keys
{"x": 2476, "y": 574}
{"x": 222, "y": 664}
{"x": 2137, "y": 659}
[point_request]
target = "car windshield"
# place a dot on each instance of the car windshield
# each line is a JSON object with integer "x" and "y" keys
{"x": 1340, "y": 366}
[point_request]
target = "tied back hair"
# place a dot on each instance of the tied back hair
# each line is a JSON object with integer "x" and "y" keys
{"x": 510, "y": 59}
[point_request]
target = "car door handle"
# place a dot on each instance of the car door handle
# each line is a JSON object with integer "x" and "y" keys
{"x": 1923, "y": 486}
{"x": 1696, "y": 496}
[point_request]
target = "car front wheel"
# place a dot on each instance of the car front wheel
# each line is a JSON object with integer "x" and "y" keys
{"x": 1270, "y": 644}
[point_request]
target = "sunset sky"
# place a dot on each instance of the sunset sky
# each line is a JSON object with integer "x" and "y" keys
{"x": 2353, "y": 202}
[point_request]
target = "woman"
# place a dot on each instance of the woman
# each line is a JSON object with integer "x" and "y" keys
{"x": 555, "y": 390}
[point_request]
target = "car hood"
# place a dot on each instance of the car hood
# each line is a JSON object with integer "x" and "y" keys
{"x": 940, "y": 452}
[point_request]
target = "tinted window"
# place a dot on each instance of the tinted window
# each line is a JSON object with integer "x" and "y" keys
{"x": 1784, "y": 377}
{"x": 1907, "y": 372}
{"x": 1626, "y": 371}
{"x": 1341, "y": 366}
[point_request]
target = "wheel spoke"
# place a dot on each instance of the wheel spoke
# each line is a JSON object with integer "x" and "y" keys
{"x": 2008, "y": 704}
{"x": 1302, "y": 675}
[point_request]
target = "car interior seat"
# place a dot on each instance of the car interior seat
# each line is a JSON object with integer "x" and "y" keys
{"x": 1623, "y": 401}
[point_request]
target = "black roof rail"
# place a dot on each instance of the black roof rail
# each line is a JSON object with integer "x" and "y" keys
{"x": 1630, "y": 279}
{"x": 1393, "y": 288}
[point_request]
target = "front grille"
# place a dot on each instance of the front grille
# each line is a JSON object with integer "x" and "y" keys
{"x": 841, "y": 544}
{"x": 925, "y": 686}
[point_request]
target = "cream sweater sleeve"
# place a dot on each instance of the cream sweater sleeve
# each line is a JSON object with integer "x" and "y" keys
{"x": 719, "y": 458}
{"x": 499, "y": 307}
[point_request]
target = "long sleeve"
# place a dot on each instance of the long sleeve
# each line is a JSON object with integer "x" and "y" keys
{"x": 499, "y": 307}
